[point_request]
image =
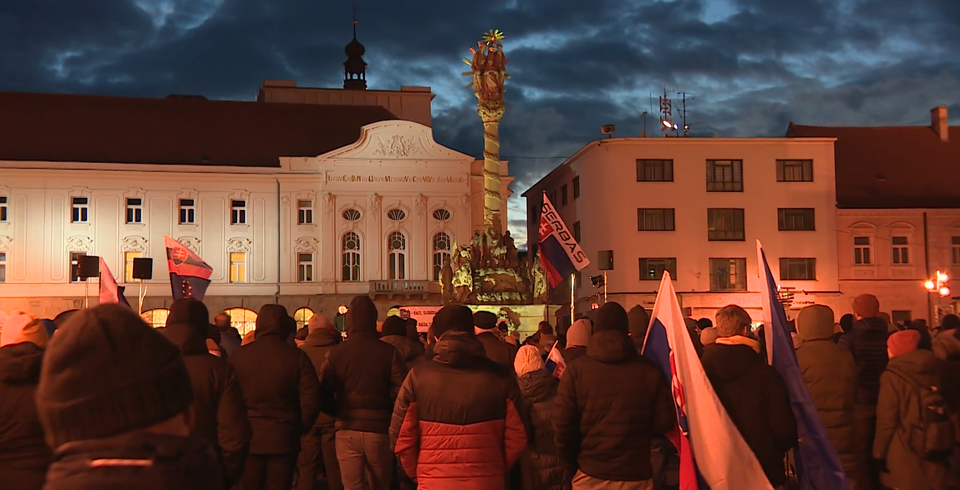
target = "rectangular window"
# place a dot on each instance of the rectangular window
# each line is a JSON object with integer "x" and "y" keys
{"x": 563, "y": 195}
{"x": 728, "y": 274}
{"x": 862, "y": 250}
{"x": 655, "y": 219}
{"x": 794, "y": 170}
{"x": 305, "y": 212}
{"x": 955, "y": 248}
{"x": 238, "y": 267}
{"x": 652, "y": 269}
{"x": 724, "y": 175}
{"x": 134, "y": 210}
{"x": 3, "y": 267}
{"x": 75, "y": 266}
{"x": 901, "y": 317}
{"x": 128, "y": 265}
{"x": 576, "y": 187}
{"x": 798, "y": 269}
{"x": 553, "y": 197}
{"x": 901, "y": 250}
{"x": 305, "y": 267}
{"x": 188, "y": 212}
{"x": 238, "y": 212}
{"x": 654, "y": 170}
{"x": 795, "y": 219}
{"x": 725, "y": 225}
{"x": 3, "y": 208}
{"x": 80, "y": 208}
{"x": 576, "y": 231}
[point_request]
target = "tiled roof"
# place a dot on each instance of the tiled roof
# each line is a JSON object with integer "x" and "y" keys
{"x": 173, "y": 130}
{"x": 892, "y": 167}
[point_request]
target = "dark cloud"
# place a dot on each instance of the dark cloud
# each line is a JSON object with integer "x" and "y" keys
{"x": 750, "y": 66}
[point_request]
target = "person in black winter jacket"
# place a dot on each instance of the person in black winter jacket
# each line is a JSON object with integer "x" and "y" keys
{"x": 610, "y": 404}
{"x": 752, "y": 392}
{"x": 497, "y": 350}
{"x": 363, "y": 376}
{"x": 115, "y": 403}
{"x": 282, "y": 393}
{"x": 394, "y": 332}
{"x": 219, "y": 415}
{"x": 24, "y": 456}
{"x": 229, "y": 336}
{"x": 539, "y": 465}
{"x": 320, "y": 442}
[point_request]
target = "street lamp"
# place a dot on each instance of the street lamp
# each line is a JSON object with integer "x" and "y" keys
{"x": 938, "y": 284}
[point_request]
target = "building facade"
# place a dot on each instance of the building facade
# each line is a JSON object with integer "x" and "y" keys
{"x": 305, "y": 205}
{"x": 898, "y": 213}
{"x": 695, "y": 207}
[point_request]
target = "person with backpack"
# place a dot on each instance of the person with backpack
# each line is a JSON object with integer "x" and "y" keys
{"x": 914, "y": 435}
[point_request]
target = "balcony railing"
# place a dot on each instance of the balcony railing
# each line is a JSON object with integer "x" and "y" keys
{"x": 400, "y": 286}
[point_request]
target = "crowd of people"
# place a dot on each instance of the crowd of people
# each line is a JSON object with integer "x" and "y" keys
{"x": 104, "y": 401}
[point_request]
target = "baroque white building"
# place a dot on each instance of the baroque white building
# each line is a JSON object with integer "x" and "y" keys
{"x": 305, "y": 204}
{"x": 695, "y": 207}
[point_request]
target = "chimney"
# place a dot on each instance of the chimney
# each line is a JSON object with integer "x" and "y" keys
{"x": 938, "y": 121}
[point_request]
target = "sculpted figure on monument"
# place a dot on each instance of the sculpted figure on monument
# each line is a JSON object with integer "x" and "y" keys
{"x": 541, "y": 294}
{"x": 477, "y": 247}
{"x": 511, "y": 250}
{"x": 446, "y": 281}
{"x": 463, "y": 277}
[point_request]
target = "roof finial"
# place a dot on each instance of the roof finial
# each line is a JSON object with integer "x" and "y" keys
{"x": 354, "y": 20}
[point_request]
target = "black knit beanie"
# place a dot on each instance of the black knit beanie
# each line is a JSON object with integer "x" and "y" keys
{"x": 362, "y": 315}
{"x": 190, "y": 312}
{"x": 612, "y": 316}
{"x": 394, "y": 325}
{"x": 452, "y": 317}
{"x": 485, "y": 320}
{"x": 105, "y": 373}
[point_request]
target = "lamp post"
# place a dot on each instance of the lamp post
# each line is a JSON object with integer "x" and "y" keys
{"x": 938, "y": 284}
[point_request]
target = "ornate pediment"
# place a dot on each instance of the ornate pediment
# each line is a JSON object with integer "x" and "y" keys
{"x": 395, "y": 140}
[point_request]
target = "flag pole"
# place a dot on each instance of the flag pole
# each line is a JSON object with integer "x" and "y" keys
{"x": 573, "y": 297}
{"x": 140, "y": 298}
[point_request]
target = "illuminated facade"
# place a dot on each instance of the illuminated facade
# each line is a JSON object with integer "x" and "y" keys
{"x": 695, "y": 207}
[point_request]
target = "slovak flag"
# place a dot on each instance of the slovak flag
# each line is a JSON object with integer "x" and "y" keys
{"x": 110, "y": 292}
{"x": 555, "y": 364}
{"x": 560, "y": 253}
{"x": 713, "y": 454}
{"x": 817, "y": 462}
{"x": 189, "y": 274}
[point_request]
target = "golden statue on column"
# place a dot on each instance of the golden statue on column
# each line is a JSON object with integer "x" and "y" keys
{"x": 489, "y": 70}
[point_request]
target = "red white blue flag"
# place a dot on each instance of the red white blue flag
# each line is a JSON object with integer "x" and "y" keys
{"x": 560, "y": 253}
{"x": 110, "y": 292}
{"x": 189, "y": 274}
{"x": 555, "y": 364}
{"x": 713, "y": 454}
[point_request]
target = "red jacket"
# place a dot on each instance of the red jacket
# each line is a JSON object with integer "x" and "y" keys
{"x": 458, "y": 423}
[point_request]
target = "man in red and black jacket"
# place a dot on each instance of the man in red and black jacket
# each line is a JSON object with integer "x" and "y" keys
{"x": 457, "y": 422}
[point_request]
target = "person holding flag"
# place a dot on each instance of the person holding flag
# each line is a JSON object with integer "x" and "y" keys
{"x": 609, "y": 406}
{"x": 817, "y": 463}
{"x": 189, "y": 274}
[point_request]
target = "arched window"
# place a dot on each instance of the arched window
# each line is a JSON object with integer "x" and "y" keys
{"x": 396, "y": 214}
{"x": 156, "y": 317}
{"x": 351, "y": 215}
{"x": 351, "y": 257}
{"x": 397, "y": 248}
{"x": 441, "y": 252}
{"x": 242, "y": 319}
{"x": 441, "y": 214}
{"x": 302, "y": 316}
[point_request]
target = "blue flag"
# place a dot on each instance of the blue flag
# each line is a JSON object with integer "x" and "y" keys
{"x": 818, "y": 466}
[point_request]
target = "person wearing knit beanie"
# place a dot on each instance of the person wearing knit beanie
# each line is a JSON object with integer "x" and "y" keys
{"x": 394, "y": 325}
{"x": 114, "y": 390}
{"x": 453, "y": 317}
{"x": 23, "y": 327}
{"x": 902, "y": 342}
{"x": 866, "y": 306}
{"x": 528, "y": 360}
{"x": 612, "y": 316}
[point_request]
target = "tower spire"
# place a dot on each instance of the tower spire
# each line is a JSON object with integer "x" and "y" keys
{"x": 354, "y": 69}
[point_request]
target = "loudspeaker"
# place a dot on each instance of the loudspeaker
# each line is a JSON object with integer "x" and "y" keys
{"x": 142, "y": 268}
{"x": 605, "y": 260}
{"x": 88, "y": 266}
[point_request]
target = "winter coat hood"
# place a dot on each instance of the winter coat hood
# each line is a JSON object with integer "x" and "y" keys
{"x": 190, "y": 312}
{"x": 362, "y": 315}
{"x": 20, "y": 363}
{"x": 579, "y": 333}
{"x": 270, "y": 322}
{"x": 190, "y": 341}
{"x": 537, "y": 386}
{"x": 408, "y": 349}
{"x": 611, "y": 347}
{"x": 320, "y": 338}
{"x": 946, "y": 345}
{"x": 920, "y": 363}
{"x": 459, "y": 349}
{"x": 815, "y": 323}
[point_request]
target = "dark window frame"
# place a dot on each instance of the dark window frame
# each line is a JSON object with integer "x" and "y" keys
{"x": 787, "y": 219}
{"x": 740, "y": 274}
{"x": 238, "y": 212}
{"x": 79, "y": 209}
{"x": 654, "y": 170}
{"x": 668, "y": 264}
{"x": 134, "y": 210}
{"x": 188, "y": 211}
{"x": 576, "y": 187}
{"x": 733, "y": 234}
{"x": 805, "y": 167}
{"x": 563, "y": 195}
{"x": 795, "y": 264}
{"x": 732, "y": 184}
{"x": 3, "y": 209}
{"x": 668, "y": 217}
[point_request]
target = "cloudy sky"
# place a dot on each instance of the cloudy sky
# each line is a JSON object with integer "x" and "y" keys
{"x": 751, "y": 66}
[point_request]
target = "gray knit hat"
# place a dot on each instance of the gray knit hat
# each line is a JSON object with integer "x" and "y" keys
{"x": 106, "y": 372}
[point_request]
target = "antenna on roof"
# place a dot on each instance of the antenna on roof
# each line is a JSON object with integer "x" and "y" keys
{"x": 683, "y": 112}
{"x": 354, "y": 20}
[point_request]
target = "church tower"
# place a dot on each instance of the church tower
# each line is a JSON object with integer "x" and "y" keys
{"x": 354, "y": 69}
